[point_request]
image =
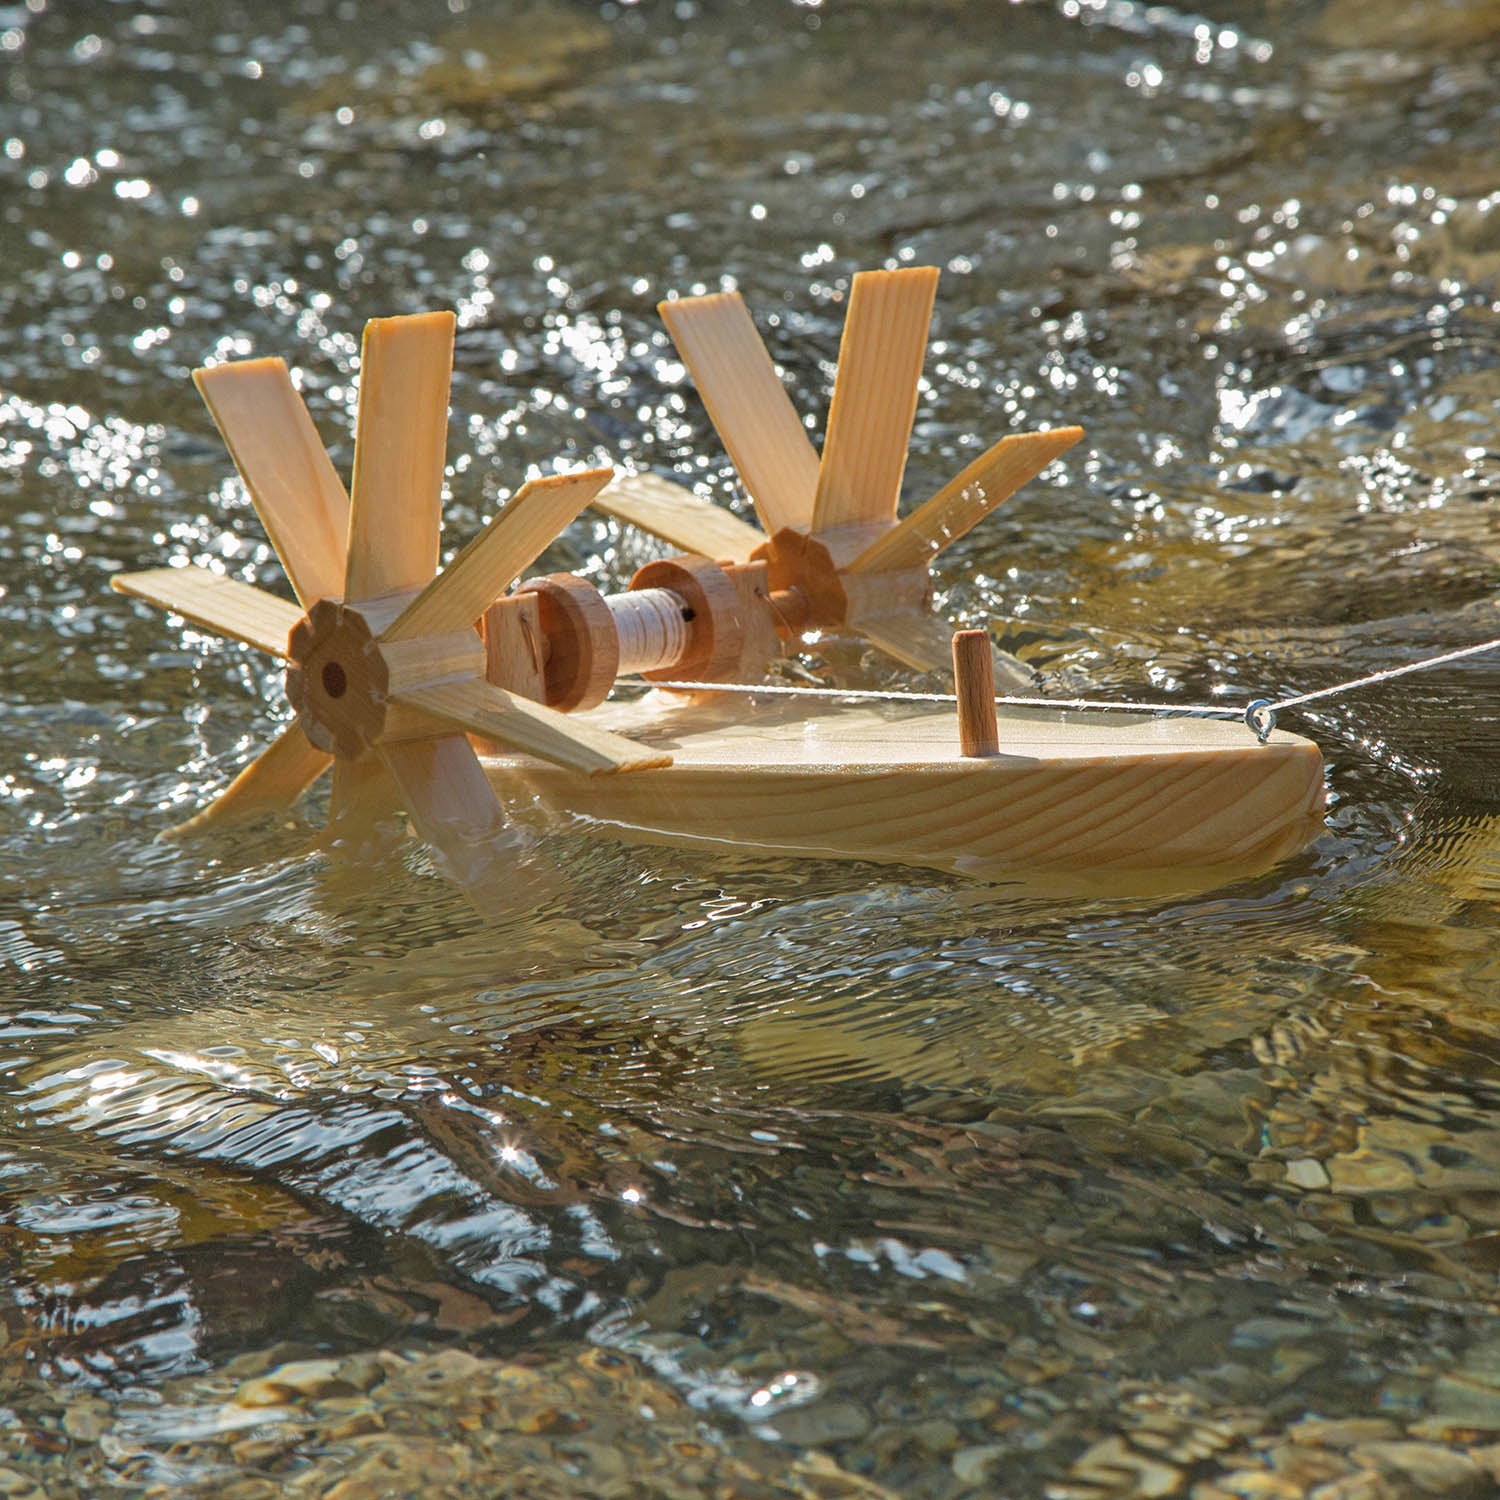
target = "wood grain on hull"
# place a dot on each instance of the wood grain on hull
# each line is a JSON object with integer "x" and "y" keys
{"x": 1068, "y": 793}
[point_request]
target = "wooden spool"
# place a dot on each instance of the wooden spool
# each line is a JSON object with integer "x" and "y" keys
{"x": 974, "y": 682}
{"x": 653, "y": 629}
{"x": 715, "y": 632}
{"x": 582, "y": 651}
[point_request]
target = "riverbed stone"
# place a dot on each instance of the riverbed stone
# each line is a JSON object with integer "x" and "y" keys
{"x": 1361, "y": 1484}
{"x": 302, "y": 1380}
{"x": 1307, "y": 1172}
{"x": 1343, "y": 1433}
{"x": 973, "y": 1466}
{"x": 1113, "y": 1460}
{"x": 1306, "y": 1465}
{"x": 1469, "y": 1397}
{"x": 1258, "y": 1484}
{"x": 826, "y": 1421}
{"x": 1362, "y": 1172}
{"x": 1433, "y": 1468}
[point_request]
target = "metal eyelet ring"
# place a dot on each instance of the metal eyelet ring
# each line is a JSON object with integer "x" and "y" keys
{"x": 1260, "y": 718}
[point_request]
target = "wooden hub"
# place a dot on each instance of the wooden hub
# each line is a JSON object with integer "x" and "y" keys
{"x": 337, "y": 680}
{"x": 804, "y": 580}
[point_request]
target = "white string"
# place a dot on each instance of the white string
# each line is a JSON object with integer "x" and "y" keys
{"x": 652, "y": 629}
{"x": 1259, "y": 716}
{"x": 881, "y": 695}
{"x": 1385, "y": 676}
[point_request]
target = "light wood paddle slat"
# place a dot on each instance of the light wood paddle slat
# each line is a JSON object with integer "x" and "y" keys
{"x": 747, "y": 404}
{"x": 273, "y": 781}
{"x": 455, "y": 810}
{"x": 292, "y": 483}
{"x": 400, "y": 442}
{"x": 445, "y": 790}
{"x": 925, "y": 642}
{"x": 363, "y": 794}
{"x": 678, "y": 517}
{"x": 224, "y": 605}
{"x": 527, "y": 525}
{"x": 874, "y": 397}
{"x": 964, "y": 501}
{"x": 530, "y": 728}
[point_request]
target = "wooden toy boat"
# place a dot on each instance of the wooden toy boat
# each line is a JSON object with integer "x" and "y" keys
{"x": 443, "y": 689}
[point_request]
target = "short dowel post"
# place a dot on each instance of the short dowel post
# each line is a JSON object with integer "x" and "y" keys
{"x": 974, "y": 681}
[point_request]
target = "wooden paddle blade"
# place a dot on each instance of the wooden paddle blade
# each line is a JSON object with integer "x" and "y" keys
{"x": 363, "y": 795}
{"x": 964, "y": 501}
{"x": 454, "y": 810}
{"x": 296, "y": 493}
{"x": 224, "y": 605}
{"x": 874, "y": 398}
{"x": 531, "y": 728}
{"x": 920, "y": 640}
{"x": 271, "y": 782}
{"x": 678, "y": 516}
{"x": 529, "y": 522}
{"x": 747, "y": 404}
{"x": 400, "y": 440}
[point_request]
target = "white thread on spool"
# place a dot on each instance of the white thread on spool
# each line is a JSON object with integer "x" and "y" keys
{"x": 652, "y": 629}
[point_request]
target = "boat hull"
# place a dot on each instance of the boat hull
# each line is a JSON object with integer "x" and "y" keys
{"x": 1072, "y": 798}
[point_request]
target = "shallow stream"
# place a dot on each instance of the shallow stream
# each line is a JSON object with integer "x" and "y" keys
{"x": 708, "y": 1174}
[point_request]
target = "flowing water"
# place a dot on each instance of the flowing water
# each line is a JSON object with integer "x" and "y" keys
{"x": 715, "y": 1174}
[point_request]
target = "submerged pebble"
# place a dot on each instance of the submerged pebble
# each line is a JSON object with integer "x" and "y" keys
{"x": 437, "y": 1423}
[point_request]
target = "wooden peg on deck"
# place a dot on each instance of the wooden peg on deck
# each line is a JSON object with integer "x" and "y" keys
{"x": 974, "y": 682}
